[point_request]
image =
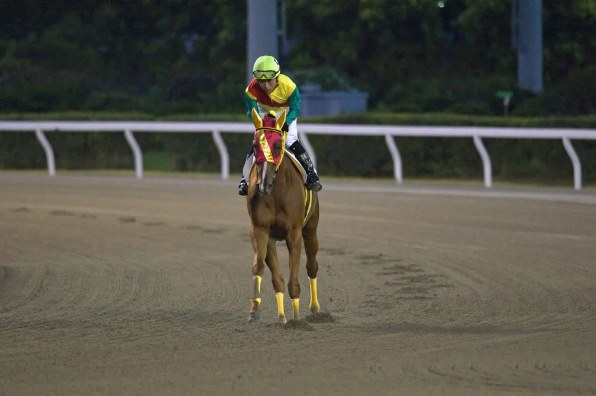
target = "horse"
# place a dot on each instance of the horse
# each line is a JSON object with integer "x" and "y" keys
{"x": 280, "y": 209}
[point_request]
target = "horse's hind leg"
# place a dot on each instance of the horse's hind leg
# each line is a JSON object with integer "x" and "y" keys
{"x": 311, "y": 248}
{"x": 277, "y": 279}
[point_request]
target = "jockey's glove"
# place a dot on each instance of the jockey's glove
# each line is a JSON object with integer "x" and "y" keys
{"x": 285, "y": 127}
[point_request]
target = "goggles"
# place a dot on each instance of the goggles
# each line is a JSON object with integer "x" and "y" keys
{"x": 265, "y": 74}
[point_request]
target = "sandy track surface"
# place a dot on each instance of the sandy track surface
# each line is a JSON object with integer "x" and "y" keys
{"x": 111, "y": 285}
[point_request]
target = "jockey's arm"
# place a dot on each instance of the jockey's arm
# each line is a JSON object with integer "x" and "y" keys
{"x": 295, "y": 102}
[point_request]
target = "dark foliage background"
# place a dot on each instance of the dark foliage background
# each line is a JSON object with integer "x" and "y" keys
{"x": 182, "y": 56}
{"x": 186, "y": 58}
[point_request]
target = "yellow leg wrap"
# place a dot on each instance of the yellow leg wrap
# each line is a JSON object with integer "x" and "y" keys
{"x": 281, "y": 316}
{"x": 315, "y": 307}
{"x": 296, "y": 308}
{"x": 256, "y": 292}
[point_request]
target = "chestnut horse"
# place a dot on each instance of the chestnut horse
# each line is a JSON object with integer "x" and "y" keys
{"x": 280, "y": 208}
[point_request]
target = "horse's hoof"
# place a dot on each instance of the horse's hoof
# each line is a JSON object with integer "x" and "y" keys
{"x": 253, "y": 317}
{"x": 282, "y": 320}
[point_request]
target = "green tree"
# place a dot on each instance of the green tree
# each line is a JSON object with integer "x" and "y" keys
{"x": 189, "y": 55}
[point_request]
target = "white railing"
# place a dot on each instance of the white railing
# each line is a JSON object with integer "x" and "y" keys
{"x": 389, "y": 132}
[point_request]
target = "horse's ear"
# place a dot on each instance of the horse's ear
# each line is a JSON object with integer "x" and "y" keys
{"x": 256, "y": 118}
{"x": 280, "y": 121}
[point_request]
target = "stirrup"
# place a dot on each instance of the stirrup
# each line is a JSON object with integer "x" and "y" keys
{"x": 243, "y": 188}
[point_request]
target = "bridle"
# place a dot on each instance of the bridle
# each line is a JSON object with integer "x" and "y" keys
{"x": 264, "y": 143}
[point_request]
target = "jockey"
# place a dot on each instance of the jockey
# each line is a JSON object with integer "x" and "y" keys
{"x": 271, "y": 90}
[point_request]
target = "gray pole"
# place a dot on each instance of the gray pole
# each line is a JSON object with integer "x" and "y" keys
{"x": 262, "y": 31}
{"x": 529, "y": 45}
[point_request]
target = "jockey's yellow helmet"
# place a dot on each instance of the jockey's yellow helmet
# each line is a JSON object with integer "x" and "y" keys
{"x": 266, "y": 67}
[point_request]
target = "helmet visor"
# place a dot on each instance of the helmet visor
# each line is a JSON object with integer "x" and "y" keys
{"x": 265, "y": 74}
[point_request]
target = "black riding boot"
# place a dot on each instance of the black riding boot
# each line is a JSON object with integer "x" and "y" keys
{"x": 243, "y": 186}
{"x": 312, "y": 179}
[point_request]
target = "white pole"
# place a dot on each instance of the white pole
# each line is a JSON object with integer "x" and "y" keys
{"x": 136, "y": 151}
{"x": 577, "y": 166}
{"x": 223, "y": 154}
{"x": 397, "y": 167}
{"x": 47, "y": 147}
{"x": 488, "y": 172}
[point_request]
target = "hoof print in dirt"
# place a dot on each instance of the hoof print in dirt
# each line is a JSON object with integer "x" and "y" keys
{"x": 300, "y": 325}
{"x": 321, "y": 317}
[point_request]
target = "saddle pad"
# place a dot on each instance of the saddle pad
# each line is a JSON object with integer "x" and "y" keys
{"x": 291, "y": 156}
{"x": 250, "y": 162}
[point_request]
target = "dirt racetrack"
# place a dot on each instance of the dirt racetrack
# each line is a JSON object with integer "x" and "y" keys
{"x": 115, "y": 286}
